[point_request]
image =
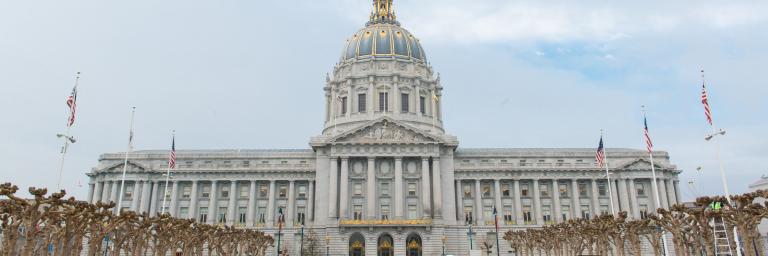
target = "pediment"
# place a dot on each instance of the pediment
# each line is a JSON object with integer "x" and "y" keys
{"x": 640, "y": 164}
{"x": 132, "y": 167}
{"x": 385, "y": 131}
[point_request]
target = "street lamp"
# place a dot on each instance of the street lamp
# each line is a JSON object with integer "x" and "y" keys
{"x": 444, "y": 238}
{"x": 327, "y": 243}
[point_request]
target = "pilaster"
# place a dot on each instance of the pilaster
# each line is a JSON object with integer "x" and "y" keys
{"x": 399, "y": 188}
{"x": 371, "y": 189}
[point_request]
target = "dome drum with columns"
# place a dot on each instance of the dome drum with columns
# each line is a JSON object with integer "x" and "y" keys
{"x": 383, "y": 178}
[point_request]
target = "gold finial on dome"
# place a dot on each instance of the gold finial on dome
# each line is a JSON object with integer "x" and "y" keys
{"x": 382, "y": 12}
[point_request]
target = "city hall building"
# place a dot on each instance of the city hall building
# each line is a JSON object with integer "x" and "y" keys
{"x": 384, "y": 177}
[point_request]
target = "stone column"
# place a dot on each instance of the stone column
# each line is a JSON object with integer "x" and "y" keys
{"x": 250, "y": 214}
{"x": 136, "y": 197}
{"x": 271, "y": 204}
{"x": 344, "y": 191}
{"x": 595, "y": 199}
{"x": 557, "y": 215}
{"x": 153, "y": 200}
{"x": 145, "y": 196}
{"x": 105, "y": 191}
{"x": 425, "y": 197}
{"x": 537, "y": 203}
{"x": 635, "y": 210}
{"x": 615, "y": 188}
{"x": 349, "y": 102}
{"x": 396, "y": 96}
{"x": 399, "y": 197}
{"x": 663, "y": 193}
{"x": 670, "y": 186}
{"x": 417, "y": 106}
{"x": 91, "y": 190}
{"x": 460, "y": 215}
{"x": 576, "y": 202}
{"x": 370, "y": 105}
{"x": 371, "y": 189}
{"x": 676, "y": 186}
{"x": 232, "y": 205}
{"x": 623, "y": 194}
{"x": 213, "y": 205}
{"x": 97, "y": 192}
{"x": 290, "y": 212}
{"x": 332, "y": 190}
{"x": 437, "y": 188}
{"x": 113, "y": 194}
{"x": 518, "y": 203}
{"x": 193, "y": 201}
{"x": 311, "y": 200}
{"x": 174, "y": 199}
{"x": 497, "y": 197}
{"x": 478, "y": 204}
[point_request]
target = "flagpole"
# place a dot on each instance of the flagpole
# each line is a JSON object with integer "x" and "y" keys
{"x": 168, "y": 176}
{"x": 125, "y": 162}
{"x": 715, "y": 132}
{"x": 67, "y": 139}
{"x": 608, "y": 175}
{"x": 496, "y": 222}
{"x": 655, "y": 185}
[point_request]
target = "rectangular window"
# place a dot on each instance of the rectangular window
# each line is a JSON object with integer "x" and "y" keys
{"x": 508, "y": 215}
{"x": 206, "y": 192}
{"x": 546, "y": 214}
{"x": 601, "y": 189}
{"x": 468, "y": 217}
{"x": 241, "y": 213}
{"x": 263, "y": 189}
{"x": 487, "y": 212}
{"x": 563, "y": 188}
{"x": 527, "y": 214}
{"x": 301, "y": 214}
{"x": 566, "y": 211}
{"x": 203, "y": 215}
{"x": 643, "y": 211}
{"x": 486, "y": 190}
{"x": 222, "y": 215}
{"x": 261, "y": 212}
{"x": 422, "y": 105}
{"x": 168, "y": 193}
{"x": 358, "y": 189}
{"x": 183, "y": 212}
{"x": 246, "y": 164}
{"x": 384, "y": 212}
{"x": 640, "y": 189}
{"x": 383, "y": 101}
{"x": 603, "y": 210}
{"x": 524, "y": 190}
{"x": 585, "y": 212}
{"x": 225, "y": 192}
{"x": 412, "y": 212}
{"x": 411, "y": 189}
{"x": 128, "y": 195}
{"x": 505, "y": 189}
{"x": 343, "y": 105}
{"x": 384, "y": 189}
{"x": 186, "y": 191}
{"x": 582, "y": 189}
{"x": 544, "y": 190}
{"x": 404, "y": 102}
{"x": 467, "y": 190}
{"x": 244, "y": 191}
{"x": 283, "y": 191}
{"x": 361, "y": 102}
{"x": 302, "y": 191}
{"x": 357, "y": 212}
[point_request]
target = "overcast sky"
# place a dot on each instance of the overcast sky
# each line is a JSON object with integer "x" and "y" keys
{"x": 249, "y": 74}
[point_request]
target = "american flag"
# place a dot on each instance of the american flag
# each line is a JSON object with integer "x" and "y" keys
{"x": 705, "y": 102}
{"x": 600, "y": 155}
{"x": 172, "y": 160}
{"x": 648, "y": 142}
{"x": 72, "y": 104}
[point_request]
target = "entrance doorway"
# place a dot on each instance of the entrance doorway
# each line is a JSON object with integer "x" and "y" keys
{"x": 357, "y": 245}
{"x": 413, "y": 245}
{"x": 385, "y": 246}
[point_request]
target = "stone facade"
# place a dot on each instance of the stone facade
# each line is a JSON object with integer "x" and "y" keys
{"x": 383, "y": 176}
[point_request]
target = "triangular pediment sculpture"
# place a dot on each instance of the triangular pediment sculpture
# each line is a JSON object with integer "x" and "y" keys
{"x": 132, "y": 167}
{"x": 386, "y": 131}
{"x": 640, "y": 164}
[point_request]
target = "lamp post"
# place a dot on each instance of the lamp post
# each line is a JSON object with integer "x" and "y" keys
{"x": 301, "y": 247}
{"x": 444, "y": 238}
{"x": 469, "y": 233}
{"x": 327, "y": 243}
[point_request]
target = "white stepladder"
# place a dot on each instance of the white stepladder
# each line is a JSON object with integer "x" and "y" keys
{"x": 722, "y": 240}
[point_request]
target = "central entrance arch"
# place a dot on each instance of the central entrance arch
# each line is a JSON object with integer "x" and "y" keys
{"x": 356, "y": 245}
{"x": 413, "y": 245}
{"x": 385, "y": 246}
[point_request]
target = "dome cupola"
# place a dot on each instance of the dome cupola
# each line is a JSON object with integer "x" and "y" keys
{"x": 382, "y": 37}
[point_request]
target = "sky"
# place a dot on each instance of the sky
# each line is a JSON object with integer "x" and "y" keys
{"x": 249, "y": 75}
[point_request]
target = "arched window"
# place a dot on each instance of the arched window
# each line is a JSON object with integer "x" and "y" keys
{"x": 356, "y": 245}
{"x": 385, "y": 246}
{"x": 413, "y": 245}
